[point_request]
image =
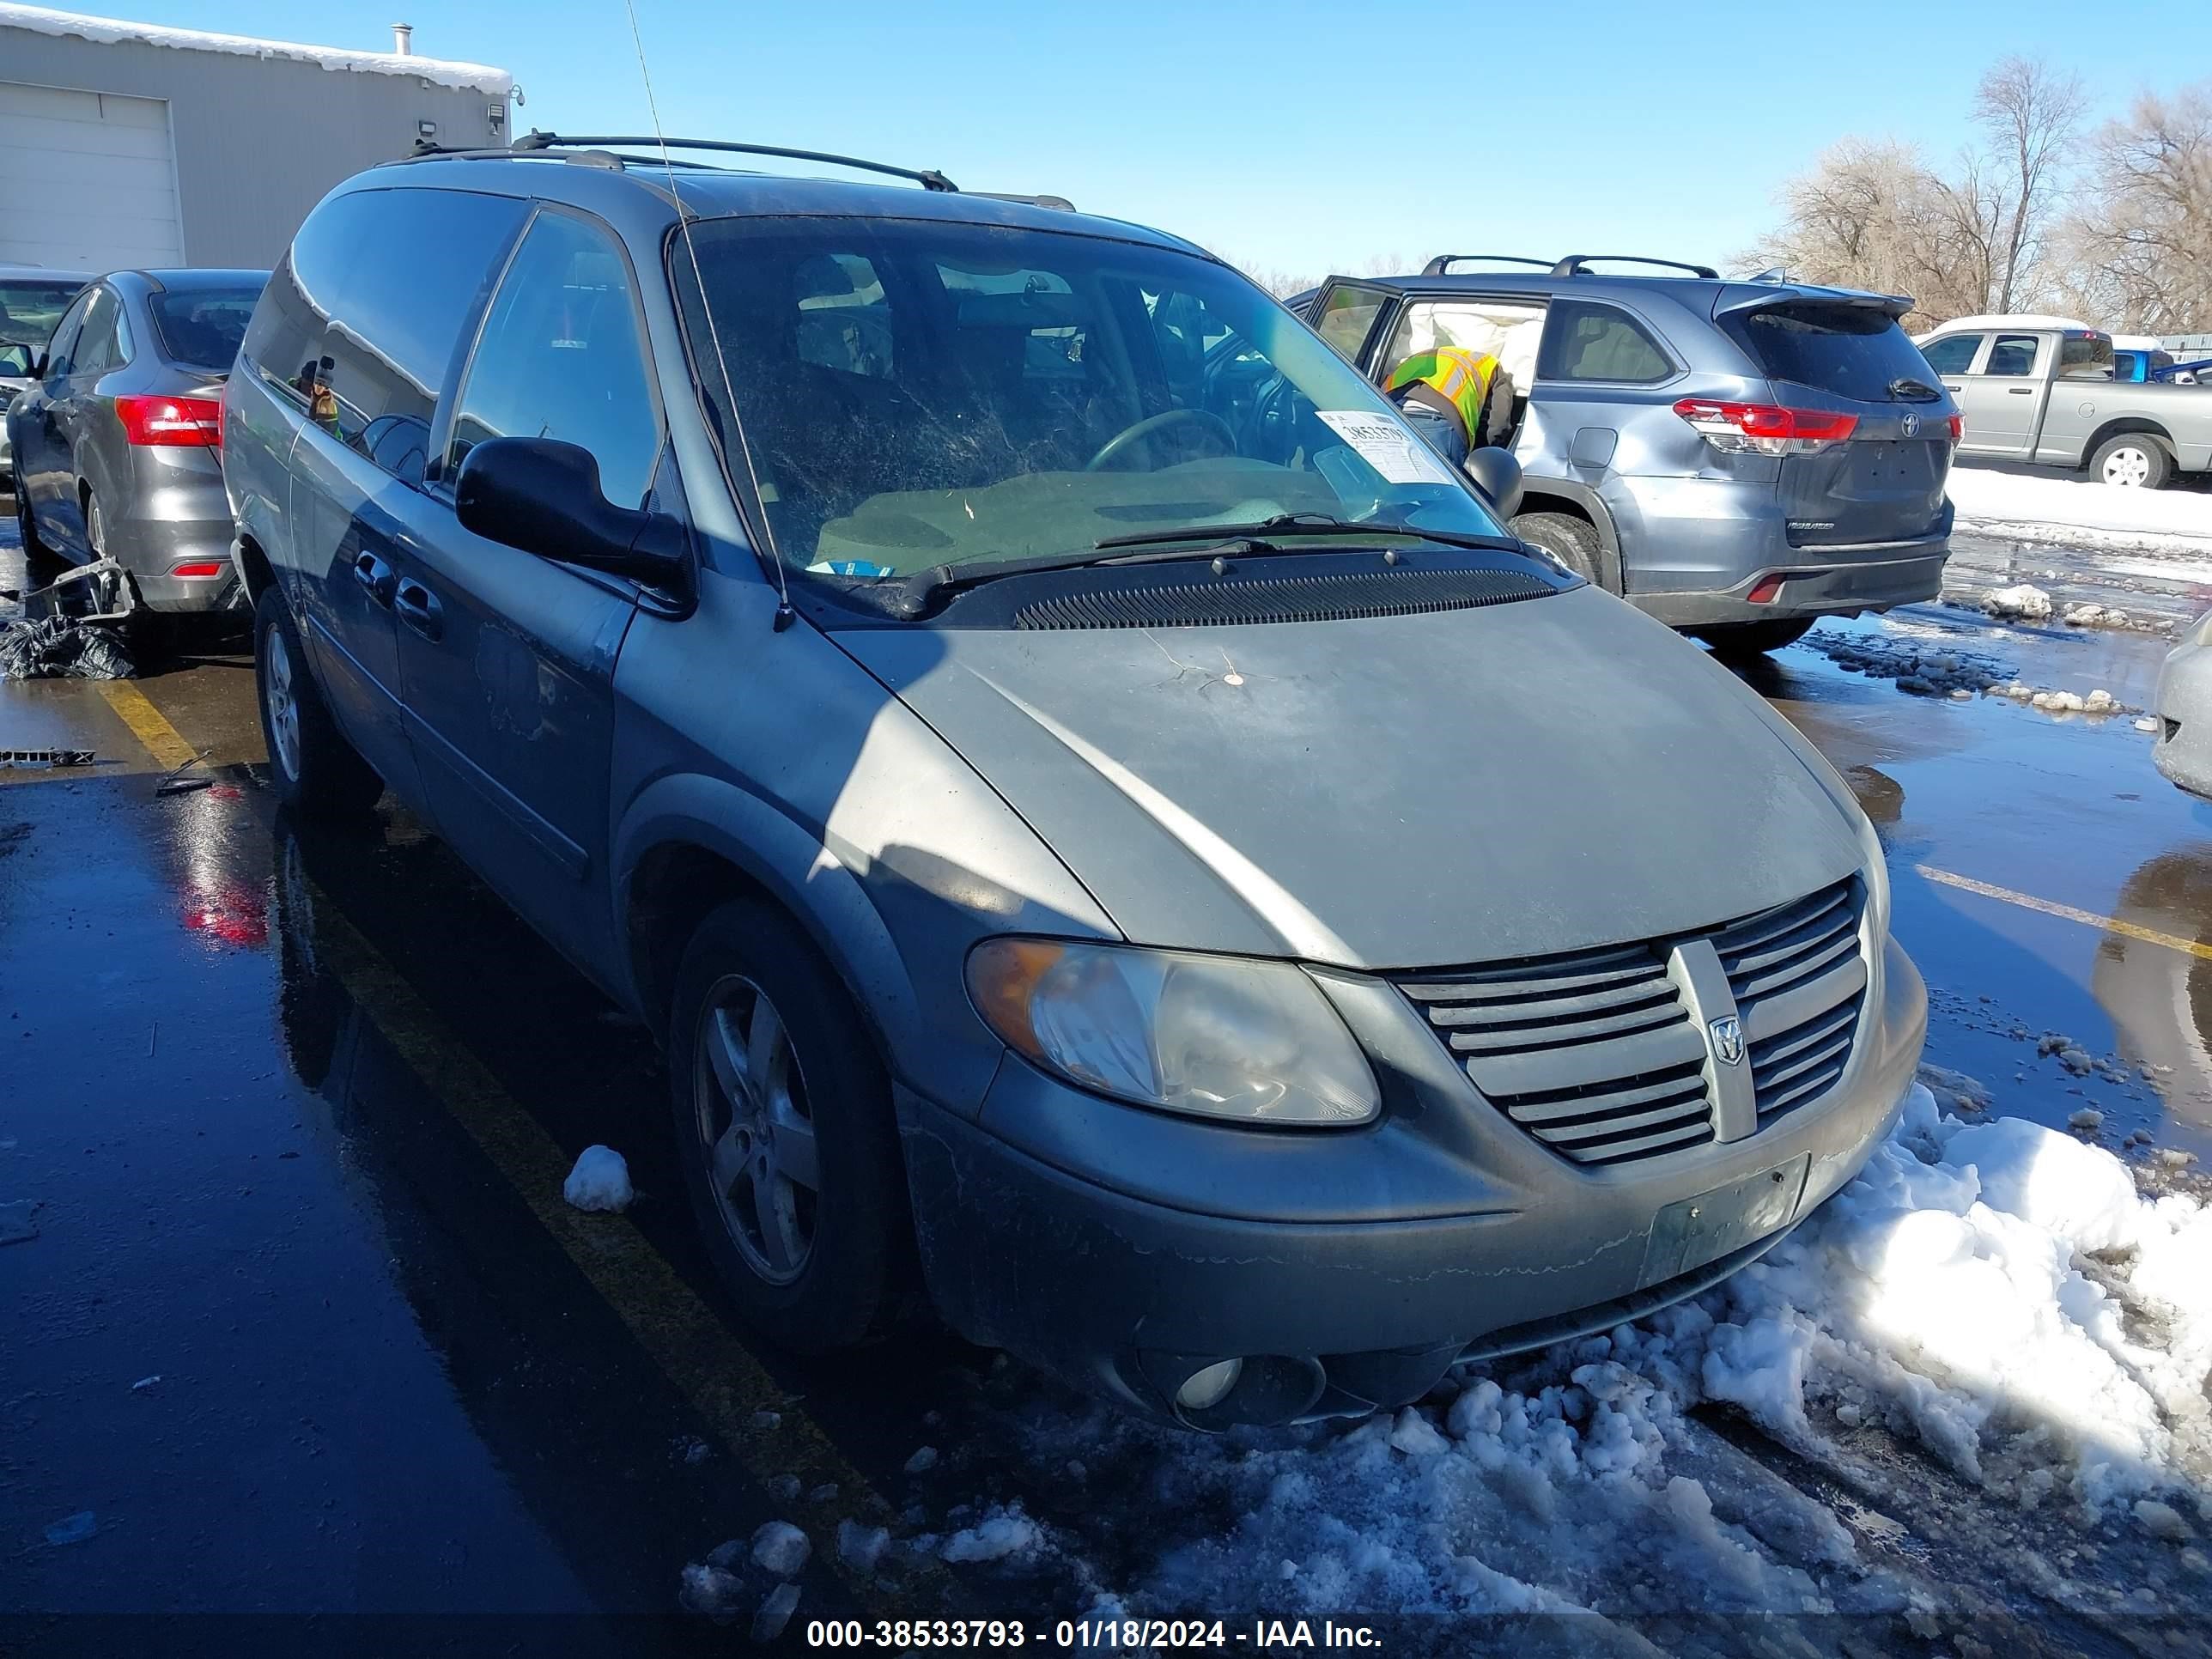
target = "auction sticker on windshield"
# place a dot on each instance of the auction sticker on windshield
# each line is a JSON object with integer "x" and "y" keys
{"x": 1388, "y": 445}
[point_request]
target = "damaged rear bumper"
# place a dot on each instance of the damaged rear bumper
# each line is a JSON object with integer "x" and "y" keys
{"x": 1126, "y": 1277}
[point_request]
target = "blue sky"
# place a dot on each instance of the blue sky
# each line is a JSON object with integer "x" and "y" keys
{"x": 1305, "y": 134}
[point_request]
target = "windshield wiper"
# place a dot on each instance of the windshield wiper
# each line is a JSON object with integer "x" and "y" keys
{"x": 1263, "y": 531}
{"x": 1907, "y": 390}
{"x": 912, "y": 596}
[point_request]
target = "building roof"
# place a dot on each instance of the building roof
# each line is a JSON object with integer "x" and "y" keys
{"x": 42, "y": 20}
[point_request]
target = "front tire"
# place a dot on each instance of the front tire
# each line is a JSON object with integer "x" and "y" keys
{"x": 316, "y": 771}
{"x": 2134, "y": 460}
{"x": 26, "y": 524}
{"x": 785, "y": 1132}
{"x": 1744, "y": 641}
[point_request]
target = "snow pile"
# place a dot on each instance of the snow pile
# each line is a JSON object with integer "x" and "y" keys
{"x": 2025, "y": 602}
{"x": 1001, "y": 1534}
{"x": 781, "y": 1548}
{"x": 2004, "y": 503}
{"x": 2099, "y": 701}
{"x": 600, "y": 1180}
{"x": 1919, "y": 667}
{"x": 42, "y": 20}
{"x": 2086, "y": 615}
{"x": 1997, "y": 1291}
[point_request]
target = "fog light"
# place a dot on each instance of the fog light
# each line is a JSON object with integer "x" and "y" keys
{"x": 1209, "y": 1387}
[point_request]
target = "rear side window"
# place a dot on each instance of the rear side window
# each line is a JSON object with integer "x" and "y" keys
{"x": 1348, "y": 315}
{"x": 363, "y": 319}
{"x": 1853, "y": 351}
{"x": 63, "y": 348}
{"x": 561, "y": 358}
{"x": 1587, "y": 342}
{"x": 2012, "y": 355}
{"x": 1954, "y": 354}
{"x": 202, "y": 328}
{"x": 105, "y": 341}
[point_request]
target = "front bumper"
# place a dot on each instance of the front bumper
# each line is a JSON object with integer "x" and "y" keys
{"x": 1811, "y": 589}
{"x": 1122, "y": 1250}
{"x": 2183, "y": 751}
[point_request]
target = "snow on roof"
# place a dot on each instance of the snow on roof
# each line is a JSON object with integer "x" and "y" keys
{"x": 43, "y": 20}
{"x": 2029, "y": 320}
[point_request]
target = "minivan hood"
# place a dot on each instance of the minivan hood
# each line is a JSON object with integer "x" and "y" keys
{"x": 1400, "y": 792}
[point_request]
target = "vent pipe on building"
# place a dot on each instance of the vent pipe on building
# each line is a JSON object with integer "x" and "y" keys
{"x": 403, "y": 39}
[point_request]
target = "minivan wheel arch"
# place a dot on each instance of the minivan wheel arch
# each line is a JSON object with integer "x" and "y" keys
{"x": 677, "y": 866}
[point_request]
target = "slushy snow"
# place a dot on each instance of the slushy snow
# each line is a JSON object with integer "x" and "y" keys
{"x": 1997, "y": 1292}
{"x": 781, "y": 1548}
{"x": 600, "y": 1180}
{"x": 1001, "y": 1534}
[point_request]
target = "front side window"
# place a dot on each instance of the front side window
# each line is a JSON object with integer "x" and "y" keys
{"x": 1348, "y": 316}
{"x": 29, "y": 310}
{"x": 1028, "y": 394}
{"x": 1587, "y": 341}
{"x": 2012, "y": 355}
{"x": 561, "y": 357}
{"x": 1954, "y": 354}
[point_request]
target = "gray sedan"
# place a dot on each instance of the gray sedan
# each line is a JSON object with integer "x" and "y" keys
{"x": 32, "y": 300}
{"x": 117, "y": 440}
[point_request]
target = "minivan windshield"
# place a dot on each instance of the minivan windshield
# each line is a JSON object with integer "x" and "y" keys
{"x": 914, "y": 395}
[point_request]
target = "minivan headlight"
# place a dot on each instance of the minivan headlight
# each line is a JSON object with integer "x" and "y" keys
{"x": 1213, "y": 1037}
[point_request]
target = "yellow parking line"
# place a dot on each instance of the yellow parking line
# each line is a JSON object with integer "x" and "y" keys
{"x": 726, "y": 1385}
{"x": 2067, "y": 912}
{"x": 147, "y": 723}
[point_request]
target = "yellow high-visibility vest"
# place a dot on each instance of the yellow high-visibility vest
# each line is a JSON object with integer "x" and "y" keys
{"x": 1463, "y": 376}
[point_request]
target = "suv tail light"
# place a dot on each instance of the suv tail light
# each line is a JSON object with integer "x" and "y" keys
{"x": 1765, "y": 428}
{"x": 1958, "y": 429}
{"x": 170, "y": 422}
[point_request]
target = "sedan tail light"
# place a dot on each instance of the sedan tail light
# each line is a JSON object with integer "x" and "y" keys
{"x": 1765, "y": 428}
{"x": 170, "y": 422}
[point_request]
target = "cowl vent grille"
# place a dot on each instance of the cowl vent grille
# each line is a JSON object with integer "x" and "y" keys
{"x": 1283, "y": 599}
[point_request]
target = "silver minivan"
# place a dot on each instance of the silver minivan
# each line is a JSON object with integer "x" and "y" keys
{"x": 1110, "y": 829}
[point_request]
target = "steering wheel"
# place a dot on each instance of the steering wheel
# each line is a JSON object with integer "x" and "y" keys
{"x": 1138, "y": 432}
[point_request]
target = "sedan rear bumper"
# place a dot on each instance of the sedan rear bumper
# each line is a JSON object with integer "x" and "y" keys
{"x": 1127, "y": 1296}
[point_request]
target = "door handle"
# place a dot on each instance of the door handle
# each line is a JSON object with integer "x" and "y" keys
{"x": 418, "y": 607}
{"x": 376, "y": 576}
{"x": 2021, "y": 390}
{"x": 1947, "y": 386}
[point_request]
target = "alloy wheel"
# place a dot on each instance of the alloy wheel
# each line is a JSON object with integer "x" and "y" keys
{"x": 757, "y": 1130}
{"x": 2129, "y": 466}
{"x": 281, "y": 702}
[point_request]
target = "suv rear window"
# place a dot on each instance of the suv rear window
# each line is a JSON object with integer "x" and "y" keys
{"x": 1853, "y": 351}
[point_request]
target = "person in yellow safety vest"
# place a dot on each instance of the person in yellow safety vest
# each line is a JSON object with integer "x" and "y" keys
{"x": 1458, "y": 400}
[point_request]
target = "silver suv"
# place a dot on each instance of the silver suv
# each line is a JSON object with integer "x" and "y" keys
{"x": 1736, "y": 459}
{"x": 1104, "y": 822}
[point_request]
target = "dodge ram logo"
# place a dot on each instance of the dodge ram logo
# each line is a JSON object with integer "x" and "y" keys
{"x": 1727, "y": 1040}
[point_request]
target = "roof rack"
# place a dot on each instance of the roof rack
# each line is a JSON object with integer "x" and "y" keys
{"x": 928, "y": 179}
{"x": 1442, "y": 265}
{"x": 1578, "y": 265}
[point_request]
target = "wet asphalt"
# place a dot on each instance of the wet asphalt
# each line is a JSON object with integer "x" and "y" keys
{"x": 305, "y": 1332}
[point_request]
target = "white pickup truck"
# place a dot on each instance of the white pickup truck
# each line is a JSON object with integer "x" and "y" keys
{"x": 2041, "y": 390}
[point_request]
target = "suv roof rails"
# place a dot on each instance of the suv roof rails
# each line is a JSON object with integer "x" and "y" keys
{"x": 533, "y": 140}
{"x": 1577, "y": 264}
{"x": 1442, "y": 265}
{"x": 1060, "y": 203}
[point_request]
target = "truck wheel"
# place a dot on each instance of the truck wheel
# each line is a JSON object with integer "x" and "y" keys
{"x": 2134, "y": 459}
{"x": 1573, "y": 541}
{"x": 27, "y": 525}
{"x": 785, "y": 1132}
{"x": 1742, "y": 641}
{"x": 315, "y": 770}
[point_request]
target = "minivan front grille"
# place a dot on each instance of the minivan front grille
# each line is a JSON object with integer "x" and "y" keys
{"x": 1596, "y": 1054}
{"x": 1799, "y": 981}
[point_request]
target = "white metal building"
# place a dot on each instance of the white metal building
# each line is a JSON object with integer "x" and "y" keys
{"x": 128, "y": 144}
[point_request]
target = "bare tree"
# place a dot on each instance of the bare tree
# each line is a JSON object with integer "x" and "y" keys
{"x": 2138, "y": 251}
{"x": 2031, "y": 116}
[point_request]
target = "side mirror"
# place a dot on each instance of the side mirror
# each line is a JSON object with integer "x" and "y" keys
{"x": 543, "y": 496}
{"x": 1497, "y": 475}
{"x": 17, "y": 361}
